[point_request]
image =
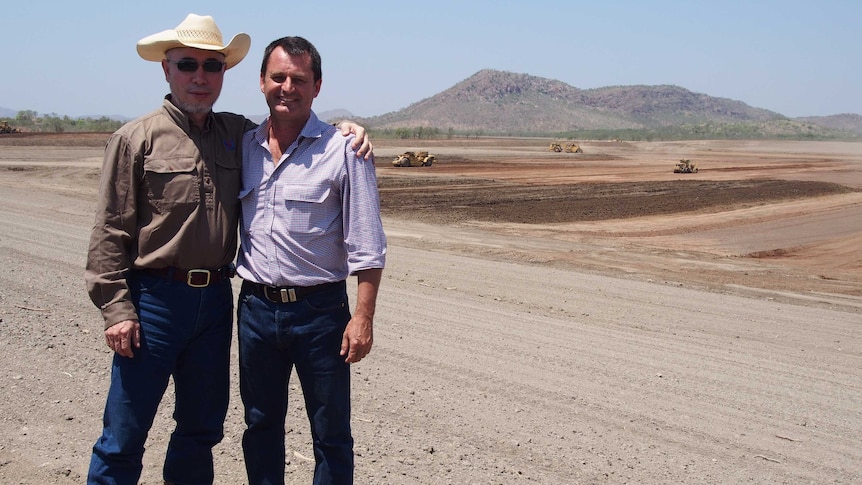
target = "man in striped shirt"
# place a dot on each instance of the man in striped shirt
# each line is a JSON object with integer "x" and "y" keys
{"x": 310, "y": 218}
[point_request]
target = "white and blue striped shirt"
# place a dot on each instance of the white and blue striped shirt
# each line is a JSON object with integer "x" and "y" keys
{"x": 314, "y": 218}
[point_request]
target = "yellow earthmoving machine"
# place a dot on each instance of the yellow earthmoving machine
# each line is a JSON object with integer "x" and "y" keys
{"x": 572, "y": 148}
{"x": 414, "y": 159}
{"x": 5, "y": 128}
{"x": 568, "y": 148}
{"x": 685, "y": 166}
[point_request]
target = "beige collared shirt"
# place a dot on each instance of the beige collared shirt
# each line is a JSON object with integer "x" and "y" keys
{"x": 167, "y": 198}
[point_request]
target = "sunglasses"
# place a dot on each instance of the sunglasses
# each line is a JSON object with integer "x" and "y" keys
{"x": 191, "y": 65}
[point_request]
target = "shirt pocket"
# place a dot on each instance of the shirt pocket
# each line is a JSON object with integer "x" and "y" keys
{"x": 172, "y": 182}
{"x": 228, "y": 181}
{"x": 306, "y": 208}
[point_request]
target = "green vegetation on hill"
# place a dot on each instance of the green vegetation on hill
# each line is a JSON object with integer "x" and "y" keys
{"x": 772, "y": 130}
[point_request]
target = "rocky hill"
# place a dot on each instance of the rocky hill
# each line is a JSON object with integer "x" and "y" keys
{"x": 846, "y": 122}
{"x": 498, "y": 102}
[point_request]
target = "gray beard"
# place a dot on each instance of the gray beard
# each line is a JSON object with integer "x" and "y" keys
{"x": 193, "y": 108}
{"x": 190, "y": 108}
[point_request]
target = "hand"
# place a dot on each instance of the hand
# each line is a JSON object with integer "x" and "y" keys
{"x": 357, "y": 339}
{"x": 123, "y": 336}
{"x": 362, "y": 145}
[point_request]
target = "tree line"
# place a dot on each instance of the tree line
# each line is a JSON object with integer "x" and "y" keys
{"x": 775, "y": 130}
{"x": 32, "y": 121}
{"x": 423, "y": 133}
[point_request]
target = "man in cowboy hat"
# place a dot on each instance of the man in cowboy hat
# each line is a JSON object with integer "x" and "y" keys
{"x": 160, "y": 258}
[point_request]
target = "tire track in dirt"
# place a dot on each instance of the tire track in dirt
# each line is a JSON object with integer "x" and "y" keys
{"x": 491, "y": 364}
{"x": 685, "y": 377}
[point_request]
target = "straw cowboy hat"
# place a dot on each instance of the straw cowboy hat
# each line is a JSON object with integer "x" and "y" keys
{"x": 199, "y": 32}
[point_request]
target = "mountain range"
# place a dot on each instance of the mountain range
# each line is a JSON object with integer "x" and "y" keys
{"x": 496, "y": 102}
{"x": 499, "y": 102}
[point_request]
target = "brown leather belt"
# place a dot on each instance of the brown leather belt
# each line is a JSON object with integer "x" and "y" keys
{"x": 287, "y": 294}
{"x": 196, "y": 278}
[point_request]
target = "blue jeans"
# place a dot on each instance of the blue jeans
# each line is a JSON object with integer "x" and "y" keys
{"x": 185, "y": 333}
{"x": 274, "y": 338}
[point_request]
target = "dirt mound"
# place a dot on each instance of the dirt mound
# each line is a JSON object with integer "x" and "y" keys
{"x": 451, "y": 202}
{"x": 55, "y": 139}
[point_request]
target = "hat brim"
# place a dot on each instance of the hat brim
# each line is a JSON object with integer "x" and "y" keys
{"x": 153, "y": 47}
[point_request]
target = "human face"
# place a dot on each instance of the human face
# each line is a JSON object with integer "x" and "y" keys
{"x": 193, "y": 92}
{"x": 289, "y": 86}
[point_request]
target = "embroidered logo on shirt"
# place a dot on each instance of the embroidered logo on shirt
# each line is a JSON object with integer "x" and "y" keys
{"x": 229, "y": 145}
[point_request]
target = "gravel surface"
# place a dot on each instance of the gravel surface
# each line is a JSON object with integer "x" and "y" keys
{"x": 720, "y": 345}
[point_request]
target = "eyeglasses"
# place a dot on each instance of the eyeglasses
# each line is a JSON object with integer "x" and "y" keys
{"x": 191, "y": 65}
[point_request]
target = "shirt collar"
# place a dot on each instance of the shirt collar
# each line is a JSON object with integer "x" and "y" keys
{"x": 313, "y": 128}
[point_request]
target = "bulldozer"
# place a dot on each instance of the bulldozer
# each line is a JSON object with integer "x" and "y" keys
{"x": 685, "y": 166}
{"x": 568, "y": 148}
{"x": 414, "y": 159}
{"x": 5, "y": 128}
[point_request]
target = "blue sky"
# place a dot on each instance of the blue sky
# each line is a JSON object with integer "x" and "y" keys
{"x": 798, "y": 58}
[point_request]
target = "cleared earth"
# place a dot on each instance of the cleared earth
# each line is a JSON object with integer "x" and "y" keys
{"x": 544, "y": 317}
{"x": 619, "y": 206}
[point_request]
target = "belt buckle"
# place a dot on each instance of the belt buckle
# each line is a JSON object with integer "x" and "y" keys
{"x": 288, "y": 295}
{"x": 191, "y": 276}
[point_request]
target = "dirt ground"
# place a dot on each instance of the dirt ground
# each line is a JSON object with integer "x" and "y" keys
{"x": 544, "y": 317}
{"x": 620, "y": 207}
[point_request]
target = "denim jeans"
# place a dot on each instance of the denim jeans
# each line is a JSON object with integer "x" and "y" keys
{"x": 273, "y": 339}
{"x": 185, "y": 333}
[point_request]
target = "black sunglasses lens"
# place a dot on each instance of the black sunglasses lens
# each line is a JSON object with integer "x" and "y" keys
{"x": 213, "y": 66}
{"x": 191, "y": 65}
{"x": 188, "y": 65}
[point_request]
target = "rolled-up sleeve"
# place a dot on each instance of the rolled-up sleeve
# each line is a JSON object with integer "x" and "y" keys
{"x": 363, "y": 227}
